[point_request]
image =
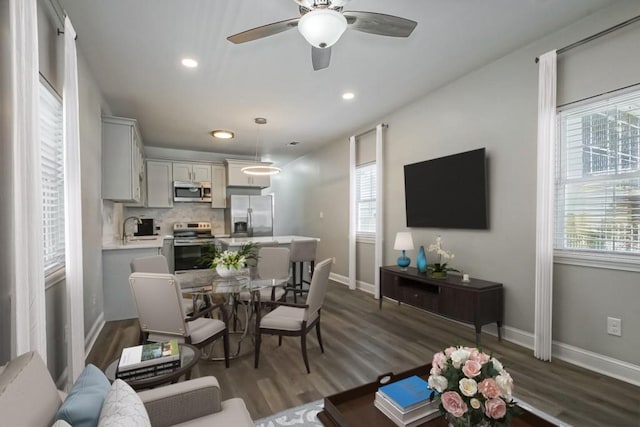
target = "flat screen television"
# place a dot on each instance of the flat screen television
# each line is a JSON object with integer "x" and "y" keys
{"x": 447, "y": 192}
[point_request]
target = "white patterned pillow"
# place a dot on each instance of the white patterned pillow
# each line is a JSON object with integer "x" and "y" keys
{"x": 123, "y": 408}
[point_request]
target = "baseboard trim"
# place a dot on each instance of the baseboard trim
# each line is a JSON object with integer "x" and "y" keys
{"x": 595, "y": 362}
{"x": 92, "y": 336}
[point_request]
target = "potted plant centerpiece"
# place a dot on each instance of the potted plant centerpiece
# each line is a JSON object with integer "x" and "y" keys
{"x": 228, "y": 263}
{"x": 439, "y": 269}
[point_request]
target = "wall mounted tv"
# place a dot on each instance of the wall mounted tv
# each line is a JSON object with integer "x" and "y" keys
{"x": 447, "y": 192}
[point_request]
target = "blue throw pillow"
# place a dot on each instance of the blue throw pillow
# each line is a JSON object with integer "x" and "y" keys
{"x": 82, "y": 406}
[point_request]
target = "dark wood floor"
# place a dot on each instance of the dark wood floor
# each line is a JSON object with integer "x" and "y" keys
{"x": 362, "y": 342}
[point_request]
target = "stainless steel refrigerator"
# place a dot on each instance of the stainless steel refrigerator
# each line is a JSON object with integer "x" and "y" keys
{"x": 251, "y": 216}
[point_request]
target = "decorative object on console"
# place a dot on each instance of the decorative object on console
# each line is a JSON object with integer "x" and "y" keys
{"x": 474, "y": 387}
{"x": 421, "y": 260}
{"x": 439, "y": 269}
{"x": 404, "y": 242}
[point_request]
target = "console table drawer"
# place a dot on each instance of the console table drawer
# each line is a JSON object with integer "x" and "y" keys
{"x": 421, "y": 297}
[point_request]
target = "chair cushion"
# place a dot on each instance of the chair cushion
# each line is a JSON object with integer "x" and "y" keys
{"x": 83, "y": 404}
{"x": 234, "y": 413}
{"x": 285, "y": 318}
{"x": 202, "y": 328}
{"x": 123, "y": 407}
{"x": 265, "y": 294}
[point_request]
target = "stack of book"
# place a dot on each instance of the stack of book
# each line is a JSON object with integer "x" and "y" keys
{"x": 407, "y": 402}
{"x": 148, "y": 360}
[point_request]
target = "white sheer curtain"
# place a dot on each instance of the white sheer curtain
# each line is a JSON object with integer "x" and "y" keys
{"x": 73, "y": 207}
{"x": 26, "y": 239}
{"x": 547, "y": 132}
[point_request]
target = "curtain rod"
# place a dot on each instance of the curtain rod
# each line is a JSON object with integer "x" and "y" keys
{"x": 596, "y": 36}
{"x": 384, "y": 125}
{"x": 55, "y": 5}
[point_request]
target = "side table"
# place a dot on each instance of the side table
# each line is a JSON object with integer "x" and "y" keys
{"x": 189, "y": 357}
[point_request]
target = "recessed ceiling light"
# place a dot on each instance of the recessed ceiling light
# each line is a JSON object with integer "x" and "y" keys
{"x": 222, "y": 134}
{"x": 348, "y": 95}
{"x": 189, "y": 63}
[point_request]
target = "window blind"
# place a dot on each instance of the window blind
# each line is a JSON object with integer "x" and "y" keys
{"x": 598, "y": 177}
{"x": 52, "y": 176}
{"x": 366, "y": 200}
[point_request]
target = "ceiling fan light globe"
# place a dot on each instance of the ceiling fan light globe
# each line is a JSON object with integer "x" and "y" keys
{"x": 322, "y": 28}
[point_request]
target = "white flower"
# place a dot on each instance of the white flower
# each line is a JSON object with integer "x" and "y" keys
{"x": 438, "y": 382}
{"x": 497, "y": 365}
{"x": 459, "y": 356}
{"x": 505, "y": 384}
{"x": 437, "y": 248}
{"x": 468, "y": 387}
{"x": 475, "y": 403}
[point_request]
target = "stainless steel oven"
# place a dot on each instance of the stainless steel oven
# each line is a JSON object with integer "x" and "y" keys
{"x": 190, "y": 242}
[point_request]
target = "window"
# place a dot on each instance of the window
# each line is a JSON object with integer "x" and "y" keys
{"x": 598, "y": 177}
{"x": 52, "y": 176}
{"x": 366, "y": 200}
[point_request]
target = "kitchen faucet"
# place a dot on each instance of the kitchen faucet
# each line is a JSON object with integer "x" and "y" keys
{"x": 124, "y": 227}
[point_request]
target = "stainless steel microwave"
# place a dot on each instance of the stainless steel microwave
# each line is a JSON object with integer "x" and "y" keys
{"x": 191, "y": 191}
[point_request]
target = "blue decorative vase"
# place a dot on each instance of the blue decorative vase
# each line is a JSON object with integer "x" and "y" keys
{"x": 421, "y": 260}
{"x": 404, "y": 261}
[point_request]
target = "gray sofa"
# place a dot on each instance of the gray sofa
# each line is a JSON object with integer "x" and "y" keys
{"x": 28, "y": 397}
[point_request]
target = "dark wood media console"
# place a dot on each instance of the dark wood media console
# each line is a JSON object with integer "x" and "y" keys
{"x": 478, "y": 302}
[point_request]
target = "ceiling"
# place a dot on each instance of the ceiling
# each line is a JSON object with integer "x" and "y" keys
{"x": 134, "y": 49}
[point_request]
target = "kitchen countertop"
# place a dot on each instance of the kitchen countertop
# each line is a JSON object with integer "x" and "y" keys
{"x": 282, "y": 240}
{"x": 137, "y": 243}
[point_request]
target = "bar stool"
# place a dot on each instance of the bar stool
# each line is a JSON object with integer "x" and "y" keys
{"x": 301, "y": 251}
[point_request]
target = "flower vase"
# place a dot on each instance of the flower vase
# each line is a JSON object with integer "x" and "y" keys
{"x": 439, "y": 274}
{"x": 421, "y": 261}
{"x": 225, "y": 271}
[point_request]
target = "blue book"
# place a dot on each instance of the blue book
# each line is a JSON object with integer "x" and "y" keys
{"x": 407, "y": 393}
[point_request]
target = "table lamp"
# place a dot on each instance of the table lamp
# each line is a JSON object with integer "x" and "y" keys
{"x": 404, "y": 242}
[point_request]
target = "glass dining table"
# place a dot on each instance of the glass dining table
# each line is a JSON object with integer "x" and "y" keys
{"x": 207, "y": 286}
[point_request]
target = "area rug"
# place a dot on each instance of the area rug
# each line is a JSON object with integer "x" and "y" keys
{"x": 304, "y": 415}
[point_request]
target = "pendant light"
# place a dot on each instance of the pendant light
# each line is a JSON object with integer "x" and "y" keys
{"x": 259, "y": 169}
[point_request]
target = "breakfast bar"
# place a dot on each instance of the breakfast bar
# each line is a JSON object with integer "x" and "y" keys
{"x": 234, "y": 243}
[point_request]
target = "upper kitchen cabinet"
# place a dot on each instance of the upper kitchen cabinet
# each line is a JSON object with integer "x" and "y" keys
{"x": 218, "y": 187}
{"x": 159, "y": 184}
{"x": 192, "y": 172}
{"x": 237, "y": 178}
{"x": 122, "y": 161}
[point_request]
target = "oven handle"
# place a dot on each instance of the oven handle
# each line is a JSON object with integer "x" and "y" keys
{"x": 191, "y": 243}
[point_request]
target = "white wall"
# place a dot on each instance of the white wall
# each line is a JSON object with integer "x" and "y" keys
{"x": 493, "y": 107}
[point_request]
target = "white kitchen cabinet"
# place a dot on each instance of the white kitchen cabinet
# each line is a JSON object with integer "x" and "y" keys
{"x": 218, "y": 187}
{"x": 237, "y": 178}
{"x": 159, "y": 184}
{"x": 192, "y": 172}
{"x": 122, "y": 161}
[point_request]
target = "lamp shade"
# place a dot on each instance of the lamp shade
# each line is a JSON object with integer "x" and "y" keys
{"x": 404, "y": 241}
{"x": 322, "y": 27}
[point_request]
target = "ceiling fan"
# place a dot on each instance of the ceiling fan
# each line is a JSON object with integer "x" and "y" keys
{"x": 322, "y": 22}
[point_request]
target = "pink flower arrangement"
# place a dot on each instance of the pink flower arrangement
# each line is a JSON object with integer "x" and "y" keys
{"x": 474, "y": 387}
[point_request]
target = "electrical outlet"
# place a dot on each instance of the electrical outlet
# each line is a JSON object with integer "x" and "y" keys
{"x": 334, "y": 260}
{"x": 614, "y": 326}
{"x": 321, "y": 214}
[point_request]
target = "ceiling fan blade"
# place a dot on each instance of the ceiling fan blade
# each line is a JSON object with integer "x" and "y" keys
{"x": 264, "y": 31}
{"x": 320, "y": 57}
{"x": 380, "y": 23}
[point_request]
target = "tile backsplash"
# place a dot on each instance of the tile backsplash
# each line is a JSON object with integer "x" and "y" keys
{"x": 114, "y": 213}
{"x": 181, "y": 212}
